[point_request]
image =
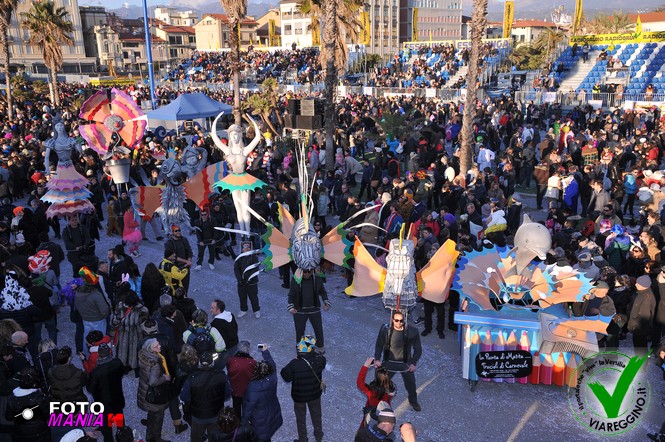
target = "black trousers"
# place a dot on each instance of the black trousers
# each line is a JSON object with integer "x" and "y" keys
{"x": 250, "y": 291}
{"x": 314, "y": 317}
{"x": 440, "y": 315}
{"x": 453, "y": 306}
{"x": 201, "y": 251}
{"x": 640, "y": 344}
{"x": 540, "y": 193}
{"x": 408, "y": 377}
{"x": 301, "y": 419}
{"x": 155, "y": 422}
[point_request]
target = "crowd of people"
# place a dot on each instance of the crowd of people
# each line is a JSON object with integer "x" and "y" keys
{"x": 597, "y": 181}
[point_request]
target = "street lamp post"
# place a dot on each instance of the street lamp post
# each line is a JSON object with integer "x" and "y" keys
{"x": 151, "y": 73}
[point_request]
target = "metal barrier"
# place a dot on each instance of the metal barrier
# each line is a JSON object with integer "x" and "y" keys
{"x": 445, "y": 94}
{"x": 583, "y": 98}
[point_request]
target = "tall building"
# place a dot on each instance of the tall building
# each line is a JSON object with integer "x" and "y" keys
{"x": 174, "y": 17}
{"x": 91, "y": 16}
{"x": 28, "y": 58}
{"x": 435, "y": 20}
{"x": 295, "y": 25}
{"x": 384, "y": 27}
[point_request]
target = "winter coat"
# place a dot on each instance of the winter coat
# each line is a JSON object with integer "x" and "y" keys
{"x": 227, "y": 326}
{"x": 305, "y": 384}
{"x": 128, "y": 326}
{"x": 105, "y": 384}
{"x": 91, "y": 304}
{"x": 35, "y": 429}
{"x": 204, "y": 390}
{"x": 45, "y": 361}
{"x": 151, "y": 374}
{"x": 243, "y": 433}
{"x": 240, "y": 368}
{"x": 67, "y": 383}
{"x": 15, "y": 304}
{"x": 370, "y": 234}
{"x": 371, "y": 434}
{"x": 641, "y": 313}
{"x": 260, "y": 406}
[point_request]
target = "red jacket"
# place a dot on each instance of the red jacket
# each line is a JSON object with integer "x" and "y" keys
{"x": 90, "y": 363}
{"x": 241, "y": 369}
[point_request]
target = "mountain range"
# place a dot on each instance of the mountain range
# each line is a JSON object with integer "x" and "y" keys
{"x": 524, "y": 9}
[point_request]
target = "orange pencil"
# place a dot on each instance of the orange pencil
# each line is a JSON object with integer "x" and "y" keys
{"x": 559, "y": 375}
{"x": 546, "y": 370}
{"x": 511, "y": 344}
{"x": 571, "y": 371}
{"x": 499, "y": 345}
{"x": 524, "y": 345}
{"x": 534, "y": 377}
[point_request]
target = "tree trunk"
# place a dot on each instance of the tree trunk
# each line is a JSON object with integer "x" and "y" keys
{"x": 51, "y": 85}
{"x": 266, "y": 119}
{"x": 235, "y": 63}
{"x": 4, "y": 42}
{"x": 329, "y": 40}
{"x": 477, "y": 28}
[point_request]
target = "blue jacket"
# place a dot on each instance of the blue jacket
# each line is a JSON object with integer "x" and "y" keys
{"x": 260, "y": 404}
{"x": 630, "y": 184}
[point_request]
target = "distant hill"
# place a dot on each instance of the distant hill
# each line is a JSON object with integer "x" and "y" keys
{"x": 135, "y": 11}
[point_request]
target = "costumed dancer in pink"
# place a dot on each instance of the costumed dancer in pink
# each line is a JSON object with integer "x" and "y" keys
{"x": 131, "y": 233}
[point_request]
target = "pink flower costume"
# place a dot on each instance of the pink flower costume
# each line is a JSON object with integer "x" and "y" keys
{"x": 131, "y": 234}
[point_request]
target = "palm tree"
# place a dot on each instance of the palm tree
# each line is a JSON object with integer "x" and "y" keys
{"x": 527, "y": 57}
{"x": 235, "y": 10}
{"x": 616, "y": 23}
{"x": 340, "y": 18}
{"x": 7, "y": 8}
{"x": 264, "y": 103}
{"x": 477, "y": 28}
{"x": 548, "y": 40}
{"x": 50, "y": 29}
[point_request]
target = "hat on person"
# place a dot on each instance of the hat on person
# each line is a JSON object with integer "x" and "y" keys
{"x": 450, "y": 218}
{"x": 90, "y": 173}
{"x": 386, "y": 415}
{"x": 18, "y": 211}
{"x": 369, "y": 204}
{"x": 306, "y": 344}
{"x": 89, "y": 277}
{"x": 643, "y": 282}
{"x": 149, "y": 329}
{"x": 584, "y": 256}
{"x": 601, "y": 285}
{"x": 104, "y": 350}
{"x": 20, "y": 238}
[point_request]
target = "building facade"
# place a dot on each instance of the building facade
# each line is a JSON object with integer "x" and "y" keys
{"x": 27, "y": 58}
{"x": 124, "y": 48}
{"x": 91, "y": 16}
{"x": 212, "y": 32}
{"x": 527, "y": 31}
{"x": 180, "y": 40}
{"x": 384, "y": 27}
{"x": 435, "y": 20}
{"x": 296, "y": 26}
{"x": 173, "y": 17}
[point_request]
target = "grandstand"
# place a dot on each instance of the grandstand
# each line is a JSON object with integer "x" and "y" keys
{"x": 643, "y": 64}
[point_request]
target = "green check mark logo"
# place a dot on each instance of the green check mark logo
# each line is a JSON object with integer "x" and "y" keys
{"x": 612, "y": 402}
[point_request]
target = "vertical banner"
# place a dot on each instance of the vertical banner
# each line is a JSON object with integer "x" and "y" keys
{"x": 577, "y": 19}
{"x": 365, "y": 31}
{"x": 316, "y": 31}
{"x": 508, "y": 17}
{"x": 271, "y": 33}
{"x": 414, "y": 25}
{"x": 638, "y": 29}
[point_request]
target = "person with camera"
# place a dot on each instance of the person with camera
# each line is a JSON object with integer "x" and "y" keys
{"x": 305, "y": 373}
{"x": 260, "y": 406}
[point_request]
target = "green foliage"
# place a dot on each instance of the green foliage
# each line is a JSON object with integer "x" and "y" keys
{"x": 616, "y": 23}
{"x": 367, "y": 62}
{"x": 395, "y": 125}
{"x": 40, "y": 87}
{"x": 527, "y": 57}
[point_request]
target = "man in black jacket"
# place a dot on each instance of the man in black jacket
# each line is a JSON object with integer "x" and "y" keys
{"x": 77, "y": 241}
{"x": 305, "y": 373}
{"x": 105, "y": 385}
{"x": 398, "y": 346}
{"x": 205, "y": 238}
{"x": 246, "y": 271}
{"x": 204, "y": 391}
{"x": 179, "y": 245}
{"x": 305, "y": 304}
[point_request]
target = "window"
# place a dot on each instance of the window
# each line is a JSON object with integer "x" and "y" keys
{"x": 125, "y": 55}
{"x": 106, "y": 47}
{"x": 173, "y": 53}
{"x": 287, "y": 29}
{"x": 192, "y": 40}
{"x": 137, "y": 54}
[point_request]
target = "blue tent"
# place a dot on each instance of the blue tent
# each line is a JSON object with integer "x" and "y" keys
{"x": 190, "y": 107}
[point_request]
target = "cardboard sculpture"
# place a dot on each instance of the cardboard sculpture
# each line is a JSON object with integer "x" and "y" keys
{"x": 507, "y": 296}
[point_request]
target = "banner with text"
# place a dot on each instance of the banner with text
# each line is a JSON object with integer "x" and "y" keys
{"x": 608, "y": 39}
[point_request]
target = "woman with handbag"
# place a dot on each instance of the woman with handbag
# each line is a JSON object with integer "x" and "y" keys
{"x": 154, "y": 388}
